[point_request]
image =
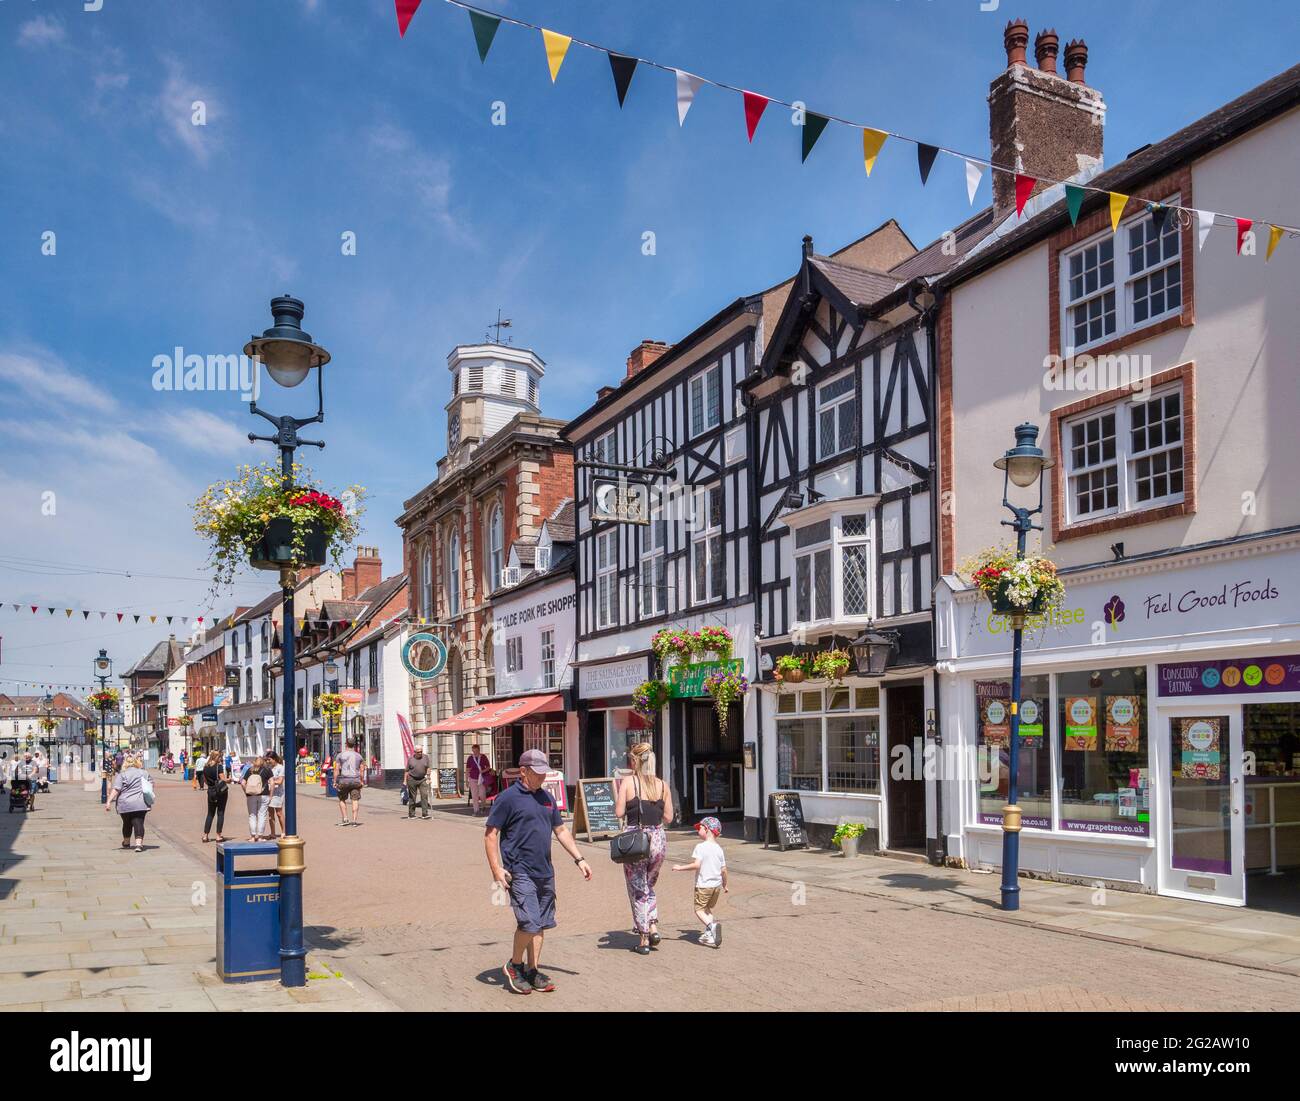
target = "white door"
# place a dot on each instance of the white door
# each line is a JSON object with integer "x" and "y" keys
{"x": 1203, "y": 833}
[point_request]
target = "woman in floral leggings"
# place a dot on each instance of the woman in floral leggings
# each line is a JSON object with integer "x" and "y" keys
{"x": 648, "y": 805}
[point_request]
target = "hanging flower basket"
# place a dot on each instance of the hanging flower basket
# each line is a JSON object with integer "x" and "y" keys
{"x": 715, "y": 640}
{"x": 255, "y": 518}
{"x": 791, "y": 669}
{"x": 649, "y": 698}
{"x": 831, "y": 664}
{"x": 106, "y": 700}
{"x": 1015, "y": 586}
{"x": 331, "y": 703}
{"x": 49, "y": 726}
{"x": 673, "y": 645}
{"x": 726, "y": 686}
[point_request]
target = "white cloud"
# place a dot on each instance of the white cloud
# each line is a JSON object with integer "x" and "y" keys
{"x": 175, "y": 106}
{"x": 204, "y": 432}
{"x": 44, "y": 377}
{"x": 42, "y": 30}
{"x": 422, "y": 180}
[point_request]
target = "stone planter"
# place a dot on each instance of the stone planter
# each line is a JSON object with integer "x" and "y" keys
{"x": 275, "y": 550}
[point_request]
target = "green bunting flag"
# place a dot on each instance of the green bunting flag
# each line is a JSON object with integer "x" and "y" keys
{"x": 485, "y": 29}
{"x": 1073, "y": 200}
{"x": 813, "y": 125}
{"x": 623, "y": 69}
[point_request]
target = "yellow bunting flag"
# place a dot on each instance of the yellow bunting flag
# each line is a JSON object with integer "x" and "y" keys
{"x": 68, "y": 612}
{"x": 557, "y": 45}
{"x": 153, "y": 619}
{"x": 1274, "y": 236}
{"x": 872, "y": 140}
{"x": 1117, "y": 202}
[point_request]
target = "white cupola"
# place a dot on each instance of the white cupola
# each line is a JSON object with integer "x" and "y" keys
{"x": 490, "y": 385}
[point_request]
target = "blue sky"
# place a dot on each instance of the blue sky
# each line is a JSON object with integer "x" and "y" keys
{"x": 321, "y": 121}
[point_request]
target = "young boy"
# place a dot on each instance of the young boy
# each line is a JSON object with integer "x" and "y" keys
{"x": 709, "y": 863}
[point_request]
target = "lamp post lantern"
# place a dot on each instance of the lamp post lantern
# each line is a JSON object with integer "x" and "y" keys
{"x": 289, "y": 355}
{"x": 1022, "y": 466}
{"x": 103, "y": 667}
{"x": 872, "y": 651}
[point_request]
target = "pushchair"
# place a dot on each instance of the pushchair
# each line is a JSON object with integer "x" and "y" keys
{"x": 22, "y": 795}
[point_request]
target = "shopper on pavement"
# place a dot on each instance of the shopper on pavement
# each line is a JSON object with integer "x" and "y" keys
{"x": 348, "y": 769}
{"x": 256, "y": 782}
{"x": 24, "y": 777}
{"x": 275, "y": 808}
{"x": 476, "y": 769}
{"x": 200, "y": 765}
{"x": 218, "y": 789}
{"x": 416, "y": 781}
{"x": 518, "y": 843}
{"x": 709, "y": 863}
{"x": 648, "y": 805}
{"x": 128, "y": 798}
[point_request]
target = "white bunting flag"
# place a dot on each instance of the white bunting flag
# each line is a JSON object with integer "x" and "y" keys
{"x": 687, "y": 86}
{"x": 974, "y": 173}
{"x": 1205, "y": 218}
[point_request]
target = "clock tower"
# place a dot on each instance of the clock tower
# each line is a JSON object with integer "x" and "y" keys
{"x": 490, "y": 385}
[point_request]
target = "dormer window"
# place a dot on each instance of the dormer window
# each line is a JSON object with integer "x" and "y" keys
{"x": 833, "y": 564}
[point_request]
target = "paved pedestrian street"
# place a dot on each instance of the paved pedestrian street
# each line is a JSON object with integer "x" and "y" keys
{"x": 401, "y": 915}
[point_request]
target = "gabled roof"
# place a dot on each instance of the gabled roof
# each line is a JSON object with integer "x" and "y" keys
{"x": 861, "y": 288}
{"x": 163, "y": 658}
{"x": 560, "y": 524}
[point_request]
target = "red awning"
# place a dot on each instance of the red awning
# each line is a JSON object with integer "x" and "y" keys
{"x": 498, "y": 713}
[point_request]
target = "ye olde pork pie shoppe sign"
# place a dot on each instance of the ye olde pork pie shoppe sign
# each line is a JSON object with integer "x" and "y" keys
{"x": 1173, "y": 603}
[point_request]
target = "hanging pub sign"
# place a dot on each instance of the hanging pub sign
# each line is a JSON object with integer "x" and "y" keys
{"x": 620, "y": 501}
{"x": 687, "y": 681}
{"x": 424, "y": 656}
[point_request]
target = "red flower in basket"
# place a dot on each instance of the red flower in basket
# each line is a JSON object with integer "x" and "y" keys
{"x": 320, "y": 500}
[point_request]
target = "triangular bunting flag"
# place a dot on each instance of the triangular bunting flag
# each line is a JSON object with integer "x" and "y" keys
{"x": 102, "y": 614}
{"x": 85, "y": 616}
{"x": 925, "y": 155}
{"x": 485, "y": 29}
{"x": 119, "y": 617}
{"x": 153, "y": 619}
{"x": 1117, "y": 204}
{"x": 1159, "y": 216}
{"x": 136, "y": 618}
{"x": 1024, "y": 185}
{"x": 169, "y": 621}
{"x": 185, "y": 619}
{"x": 1243, "y": 227}
{"x": 974, "y": 173}
{"x": 33, "y": 609}
{"x": 623, "y": 68}
{"x": 872, "y": 140}
{"x": 1274, "y": 236}
{"x": 755, "y": 105}
{"x": 405, "y": 9}
{"x": 67, "y": 612}
{"x": 200, "y": 619}
{"x": 1073, "y": 200}
{"x": 1205, "y": 222}
{"x": 16, "y": 607}
{"x": 687, "y": 86}
{"x": 51, "y": 611}
{"x": 813, "y": 125}
{"x": 557, "y": 45}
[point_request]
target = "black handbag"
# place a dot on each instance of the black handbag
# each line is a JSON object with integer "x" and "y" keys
{"x": 631, "y": 846}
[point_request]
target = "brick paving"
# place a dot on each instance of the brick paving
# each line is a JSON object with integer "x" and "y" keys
{"x": 405, "y": 911}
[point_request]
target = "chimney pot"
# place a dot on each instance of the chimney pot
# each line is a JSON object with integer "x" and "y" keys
{"x": 643, "y": 355}
{"x": 807, "y": 245}
{"x": 1047, "y": 45}
{"x": 604, "y": 392}
{"x": 1076, "y": 60}
{"x": 1015, "y": 39}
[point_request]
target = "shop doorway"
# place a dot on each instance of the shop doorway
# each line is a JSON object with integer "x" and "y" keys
{"x": 1271, "y": 743}
{"x": 710, "y": 772}
{"x": 1203, "y": 850}
{"x": 905, "y": 727}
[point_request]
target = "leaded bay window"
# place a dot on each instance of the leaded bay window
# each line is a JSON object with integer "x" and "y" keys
{"x": 1125, "y": 457}
{"x": 837, "y": 416}
{"x": 833, "y": 568}
{"x": 706, "y": 400}
{"x": 829, "y": 740}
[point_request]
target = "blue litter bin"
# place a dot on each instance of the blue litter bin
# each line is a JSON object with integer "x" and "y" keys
{"x": 248, "y": 922}
{"x": 330, "y": 790}
{"x": 187, "y": 774}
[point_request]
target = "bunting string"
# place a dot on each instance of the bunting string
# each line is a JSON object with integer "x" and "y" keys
{"x": 21, "y": 607}
{"x": 486, "y": 23}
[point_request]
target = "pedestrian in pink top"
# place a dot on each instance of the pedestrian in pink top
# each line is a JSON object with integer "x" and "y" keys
{"x": 476, "y": 768}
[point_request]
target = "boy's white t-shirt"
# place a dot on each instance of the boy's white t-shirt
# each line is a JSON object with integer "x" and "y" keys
{"x": 712, "y": 860}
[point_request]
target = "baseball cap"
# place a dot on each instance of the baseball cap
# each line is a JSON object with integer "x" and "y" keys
{"x": 712, "y": 825}
{"x": 536, "y": 760}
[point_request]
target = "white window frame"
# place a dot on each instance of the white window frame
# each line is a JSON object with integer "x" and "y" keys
{"x": 1126, "y": 459}
{"x": 496, "y": 543}
{"x": 836, "y": 542}
{"x": 835, "y": 406}
{"x": 654, "y": 577}
{"x": 515, "y": 654}
{"x": 548, "y": 657}
{"x": 603, "y": 449}
{"x": 708, "y": 418}
{"x": 606, "y": 577}
{"x": 453, "y": 574}
{"x": 823, "y": 714}
{"x": 1123, "y": 280}
{"x": 708, "y": 546}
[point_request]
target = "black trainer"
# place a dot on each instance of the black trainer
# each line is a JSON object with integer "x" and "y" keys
{"x": 517, "y": 977}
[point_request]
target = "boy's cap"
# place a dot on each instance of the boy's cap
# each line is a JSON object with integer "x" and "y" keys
{"x": 536, "y": 760}
{"x": 712, "y": 825}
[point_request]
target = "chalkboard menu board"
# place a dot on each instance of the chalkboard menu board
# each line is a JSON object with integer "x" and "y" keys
{"x": 717, "y": 784}
{"x": 786, "y": 816}
{"x": 448, "y": 783}
{"x": 594, "y": 813}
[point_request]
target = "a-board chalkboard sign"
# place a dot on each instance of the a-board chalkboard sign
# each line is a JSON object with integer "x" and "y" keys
{"x": 594, "y": 814}
{"x": 786, "y": 817}
{"x": 448, "y": 783}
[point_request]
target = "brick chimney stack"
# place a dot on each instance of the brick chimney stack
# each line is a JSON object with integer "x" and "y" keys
{"x": 1040, "y": 122}
{"x": 367, "y": 571}
{"x": 643, "y": 355}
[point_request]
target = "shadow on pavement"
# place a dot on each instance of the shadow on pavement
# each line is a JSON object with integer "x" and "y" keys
{"x": 326, "y": 937}
{"x": 919, "y": 882}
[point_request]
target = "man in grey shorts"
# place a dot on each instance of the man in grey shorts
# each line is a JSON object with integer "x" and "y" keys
{"x": 348, "y": 773}
{"x": 417, "y": 782}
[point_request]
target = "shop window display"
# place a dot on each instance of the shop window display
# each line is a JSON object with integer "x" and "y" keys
{"x": 993, "y": 726}
{"x": 1101, "y": 737}
{"x": 832, "y": 727}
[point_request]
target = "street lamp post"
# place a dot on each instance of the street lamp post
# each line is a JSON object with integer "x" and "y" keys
{"x": 1022, "y": 466}
{"x": 103, "y": 670}
{"x": 289, "y": 355}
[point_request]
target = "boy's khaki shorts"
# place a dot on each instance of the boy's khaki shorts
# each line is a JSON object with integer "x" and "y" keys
{"x": 706, "y": 898}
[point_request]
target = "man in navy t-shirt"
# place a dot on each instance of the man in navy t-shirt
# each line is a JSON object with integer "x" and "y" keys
{"x": 518, "y": 842}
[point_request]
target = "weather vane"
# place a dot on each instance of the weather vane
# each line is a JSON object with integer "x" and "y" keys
{"x": 499, "y": 324}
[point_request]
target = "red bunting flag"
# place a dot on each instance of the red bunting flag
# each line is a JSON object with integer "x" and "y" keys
{"x": 405, "y": 10}
{"x": 33, "y": 609}
{"x": 1243, "y": 227}
{"x": 1024, "y": 185}
{"x": 755, "y": 105}
{"x": 119, "y": 617}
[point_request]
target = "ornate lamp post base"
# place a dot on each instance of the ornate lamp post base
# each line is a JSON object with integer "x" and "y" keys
{"x": 293, "y": 955}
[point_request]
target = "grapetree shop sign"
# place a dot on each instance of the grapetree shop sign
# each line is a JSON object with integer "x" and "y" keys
{"x": 1231, "y": 676}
